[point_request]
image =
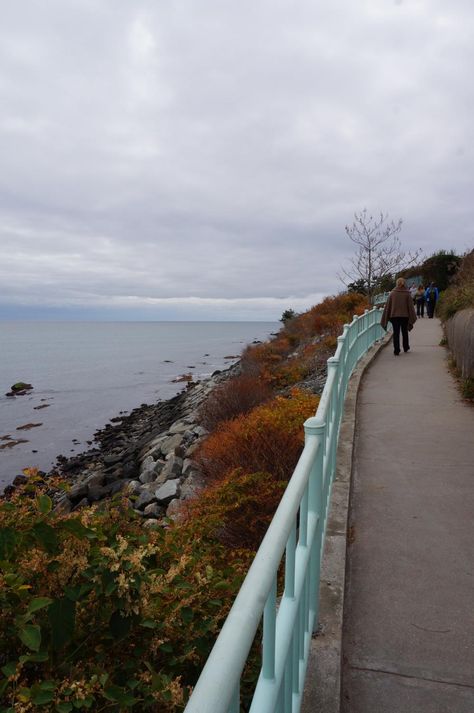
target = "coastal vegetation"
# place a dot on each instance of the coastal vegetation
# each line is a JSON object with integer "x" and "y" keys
{"x": 460, "y": 293}
{"x": 100, "y": 611}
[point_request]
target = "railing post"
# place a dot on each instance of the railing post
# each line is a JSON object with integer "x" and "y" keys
{"x": 316, "y": 428}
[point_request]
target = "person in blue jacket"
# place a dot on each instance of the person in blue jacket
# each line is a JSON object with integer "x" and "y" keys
{"x": 431, "y": 297}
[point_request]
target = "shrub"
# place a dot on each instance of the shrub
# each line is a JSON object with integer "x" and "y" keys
{"x": 269, "y": 438}
{"x": 276, "y": 361}
{"x": 232, "y": 398}
{"x": 467, "y": 389}
{"x": 98, "y": 614}
{"x": 238, "y": 509}
{"x": 461, "y": 294}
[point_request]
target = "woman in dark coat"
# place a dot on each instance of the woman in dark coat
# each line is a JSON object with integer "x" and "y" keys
{"x": 399, "y": 310}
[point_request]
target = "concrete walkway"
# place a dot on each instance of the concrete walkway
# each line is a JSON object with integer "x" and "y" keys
{"x": 408, "y": 644}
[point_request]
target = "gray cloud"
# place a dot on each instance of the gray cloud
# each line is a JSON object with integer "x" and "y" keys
{"x": 203, "y": 160}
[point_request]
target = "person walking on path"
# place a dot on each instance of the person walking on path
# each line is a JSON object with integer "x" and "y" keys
{"x": 431, "y": 296}
{"x": 400, "y": 311}
{"x": 420, "y": 301}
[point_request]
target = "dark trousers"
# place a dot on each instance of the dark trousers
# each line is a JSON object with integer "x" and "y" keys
{"x": 430, "y": 308}
{"x": 420, "y": 308}
{"x": 400, "y": 323}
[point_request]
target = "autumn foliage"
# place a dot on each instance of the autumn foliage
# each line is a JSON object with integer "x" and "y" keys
{"x": 269, "y": 439}
{"x": 239, "y": 508}
{"x": 98, "y": 613}
{"x": 290, "y": 356}
{"x": 233, "y": 398}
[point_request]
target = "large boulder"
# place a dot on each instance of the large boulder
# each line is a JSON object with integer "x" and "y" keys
{"x": 167, "y": 492}
{"x": 170, "y": 443}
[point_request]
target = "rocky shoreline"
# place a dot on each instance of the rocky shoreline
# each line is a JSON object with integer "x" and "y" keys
{"x": 147, "y": 454}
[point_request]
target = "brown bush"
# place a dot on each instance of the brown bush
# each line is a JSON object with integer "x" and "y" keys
{"x": 239, "y": 508}
{"x": 233, "y": 398}
{"x": 268, "y": 439}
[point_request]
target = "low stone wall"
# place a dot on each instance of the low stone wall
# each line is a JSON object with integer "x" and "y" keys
{"x": 460, "y": 336}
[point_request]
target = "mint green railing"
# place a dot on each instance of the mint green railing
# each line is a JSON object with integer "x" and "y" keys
{"x": 296, "y": 533}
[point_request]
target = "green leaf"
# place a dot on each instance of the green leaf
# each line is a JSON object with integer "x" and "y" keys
{"x": 8, "y": 540}
{"x": 9, "y": 669}
{"x": 118, "y": 695}
{"x": 46, "y": 536}
{"x": 111, "y": 587}
{"x": 38, "y": 603}
{"x": 187, "y": 615}
{"x": 149, "y": 624}
{"x": 35, "y": 658}
{"x": 75, "y": 527}
{"x": 41, "y": 697}
{"x": 62, "y": 617}
{"x": 103, "y": 678}
{"x": 72, "y": 593}
{"x": 167, "y": 648}
{"x": 64, "y": 707}
{"x": 44, "y": 503}
{"x": 30, "y": 635}
{"x": 3, "y": 688}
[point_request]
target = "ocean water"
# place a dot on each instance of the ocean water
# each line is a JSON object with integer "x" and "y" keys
{"x": 86, "y": 373}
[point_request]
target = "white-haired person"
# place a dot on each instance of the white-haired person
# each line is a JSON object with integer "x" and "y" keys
{"x": 400, "y": 311}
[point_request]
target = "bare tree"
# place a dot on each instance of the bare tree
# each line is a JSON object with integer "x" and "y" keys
{"x": 379, "y": 251}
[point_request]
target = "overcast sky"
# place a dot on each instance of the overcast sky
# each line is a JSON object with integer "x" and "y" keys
{"x": 175, "y": 159}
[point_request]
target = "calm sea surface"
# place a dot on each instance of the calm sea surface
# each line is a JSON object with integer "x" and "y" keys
{"x": 88, "y": 372}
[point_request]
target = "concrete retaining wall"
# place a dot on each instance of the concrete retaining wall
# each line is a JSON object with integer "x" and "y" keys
{"x": 460, "y": 336}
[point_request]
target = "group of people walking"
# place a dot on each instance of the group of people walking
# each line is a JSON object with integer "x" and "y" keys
{"x": 400, "y": 310}
{"x": 422, "y": 296}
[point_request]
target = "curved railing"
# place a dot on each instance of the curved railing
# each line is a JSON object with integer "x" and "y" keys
{"x": 380, "y": 299}
{"x": 297, "y": 534}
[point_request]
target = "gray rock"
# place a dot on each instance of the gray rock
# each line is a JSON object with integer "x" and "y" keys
{"x": 97, "y": 492}
{"x": 148, "y": 463}
{"x": 147, "y": 476}
{"x": 192, "y": 449}
{"x": 84, "y": 503}
{"x": 113, "y": 458}
{"x": 192, "y": 485}
{"x": 134, "y": 487}
{"x": 64, "y": 506}
{"x": 159, "y": 465}
{"x": 81, "y": 488}
{"x": 170, "y": 443}
{"x": 151, "y": 523}
{"x": 173, "y": 510}
{"x": 178, "y": 427}
{"x": 153, "y": 448}
{"x": 172, "y": 468}
{"x": 145, "y": 498}
{"x": 188, "y": 465}
{"x": 153, "y": 510}
{"x": 168, "y": 491}
{"x": 117, "y": 487}
{"x": 200, "y": 431}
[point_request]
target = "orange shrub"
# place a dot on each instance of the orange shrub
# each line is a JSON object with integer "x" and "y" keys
{"x": 238, "y": 509}
{"x": 276, "y": 362}
{"x": 269, "y": 438}
{"x": 232, "y": 398}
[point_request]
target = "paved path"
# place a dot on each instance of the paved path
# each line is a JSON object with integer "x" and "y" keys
{"x": 409, "y": 611}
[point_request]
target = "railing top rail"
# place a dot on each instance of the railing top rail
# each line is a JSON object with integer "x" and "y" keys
{"x": 220, "y": 677}
{"x": 227, "y": 658}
